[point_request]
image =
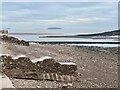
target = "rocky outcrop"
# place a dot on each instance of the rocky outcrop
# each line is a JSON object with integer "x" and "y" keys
{"x": 49, "y": 65}
{"x": 45, "y": 68}
{"x": 11, "y": 39}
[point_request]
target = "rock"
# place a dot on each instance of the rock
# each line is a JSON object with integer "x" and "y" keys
{"x": 49, "y": 65}
{"x": 18, "y": 67}
{"x": 46, "y": 64}
{"x": 68, "y": 68}
{"x": 68, "y": 85}
{"x": 7, "y": 61}
{"x": 43, "y": 68}
{"x": 12, "y": 39}
{"x": 65, "y": 86}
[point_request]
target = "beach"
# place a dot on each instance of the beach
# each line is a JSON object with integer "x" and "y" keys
{"x": 97, "y": 66}
{"x": 59, "y": 44}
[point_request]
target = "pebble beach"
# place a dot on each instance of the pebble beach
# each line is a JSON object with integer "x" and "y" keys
{"x": 97, "y": 66}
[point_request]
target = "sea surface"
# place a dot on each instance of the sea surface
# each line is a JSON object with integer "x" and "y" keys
{"x": 36, "y": 38}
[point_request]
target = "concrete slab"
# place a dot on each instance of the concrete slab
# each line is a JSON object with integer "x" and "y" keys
{"x": 5, "y": 82}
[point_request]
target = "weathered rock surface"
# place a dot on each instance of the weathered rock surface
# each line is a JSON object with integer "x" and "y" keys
{"x": 43, "y": 68}
{"x": 11, "y": 39}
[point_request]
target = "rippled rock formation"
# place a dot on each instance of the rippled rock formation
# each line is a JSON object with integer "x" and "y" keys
{"x": 45, "y": 68}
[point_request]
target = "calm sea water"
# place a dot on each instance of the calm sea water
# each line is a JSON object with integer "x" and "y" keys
{"x": 36, "y": 38}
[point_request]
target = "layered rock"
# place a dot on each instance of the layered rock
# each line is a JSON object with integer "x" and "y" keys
{"x": 43, "y": 68}
{"x": 49, "y": 65}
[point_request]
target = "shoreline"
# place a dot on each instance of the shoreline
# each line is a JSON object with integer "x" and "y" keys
{"x": 71, "y": 42}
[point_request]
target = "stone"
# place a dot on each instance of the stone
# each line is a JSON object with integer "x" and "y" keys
{"x": 12, "y": 39}
{"x": 45, "y": 68}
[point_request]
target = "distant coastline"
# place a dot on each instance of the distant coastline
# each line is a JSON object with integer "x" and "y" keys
{"x": 104, "y": 35}
{"x": 62, "y": 42}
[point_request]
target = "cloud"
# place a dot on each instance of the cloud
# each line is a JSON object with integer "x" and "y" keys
{"x": 57, "y": 10}
{"x": 54, "y": 22}
{"x": 72, "y": 20}
{"x": 70, "y": 15}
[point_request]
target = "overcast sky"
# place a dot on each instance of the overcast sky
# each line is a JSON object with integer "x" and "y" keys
{"x": 72, "y": 17}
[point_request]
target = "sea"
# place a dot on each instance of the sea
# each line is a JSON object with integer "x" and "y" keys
{"x": 37, "y": 39}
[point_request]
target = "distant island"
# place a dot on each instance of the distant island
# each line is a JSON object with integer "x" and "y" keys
{"x": 54, "y": 28}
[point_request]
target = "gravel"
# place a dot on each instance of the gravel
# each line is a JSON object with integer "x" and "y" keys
{"x": 97, "y": 66}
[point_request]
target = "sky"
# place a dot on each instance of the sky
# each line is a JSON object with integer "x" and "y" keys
{"x": 72, "y": 17}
